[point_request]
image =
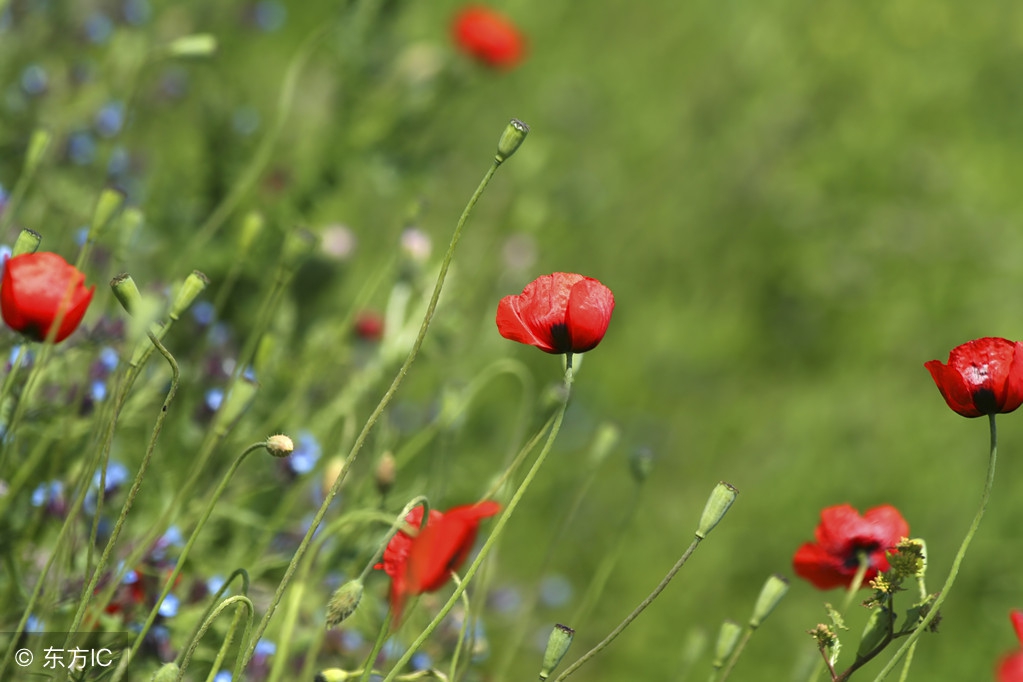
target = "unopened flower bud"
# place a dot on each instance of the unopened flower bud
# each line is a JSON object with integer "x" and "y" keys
{"x": 38, "y": 143}
{"x": 27, "y": 242}
{"x": 279, "y": 445}
{"x": 771, "y": 593}
{"x": 343, "y": 603}
{"x": 720, "y": 500}
{"x": 333, "y": 469}
{"x": 332, "y": 675}
{"x": 251, "y": 227}
{"x": 109, "y": 202}
{"x": 728, "y": 637}
{"x": 196, "y": 45}
{"x": 385, "y": 473}
{"x": 126, "y": 292}
{"x": 168, "y": 672}
{"x": 512, "y": 137}
{"x": 604, "y": 441}
{"x": 557, "y": 647}
{"x": 189, "y": 291}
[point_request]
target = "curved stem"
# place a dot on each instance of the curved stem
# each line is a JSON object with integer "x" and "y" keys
{"x": 375, "y": 415}
{"x": 635, "y": 612}
{"x": 180, "y": 563}
{"x": 954, "y": 571}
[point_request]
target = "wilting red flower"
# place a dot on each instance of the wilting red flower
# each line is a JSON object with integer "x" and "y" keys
{"x": 558, "y": 313}
{"x": 842, "y": 536}
{"x": 424, "y": 562}
{"x": 37, "y": 289}
{"x": 489, "y": 37}
{"x": 1010, "y": 669}
{"x": 984, "y": 376}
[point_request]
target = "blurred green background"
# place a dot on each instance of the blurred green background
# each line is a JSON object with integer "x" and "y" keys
{"x": 796, "y": 204}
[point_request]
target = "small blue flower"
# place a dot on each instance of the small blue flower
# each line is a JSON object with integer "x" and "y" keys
{"x": 108, "y": 358}
{"x": 203, "y": 312}
{"x": 169, "y": 606}
{"x": 270, "y": 15}
{"x": 34, "y": 624}
{"x": 215, "y": 583}
{"x": 222, "y": 676}
{"x": 136, "y": 12}
{"x": 98, "y": 28}
{"x": 110, "y": 119}
{"x": 98, "y": 391}
{"x": 81, "y": 148}
{"x": 421, "y": 661}
{"x": 45, "y": 493}
{"x": 214, "y": 398}
{"x": 307, "y": 453}
{"x": 34, "y": 80}
{"x": 265, "y": 647}
{"x": 352, "y": 640}
{"x": 82, "y": 235}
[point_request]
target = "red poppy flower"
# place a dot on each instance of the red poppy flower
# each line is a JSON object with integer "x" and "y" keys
{"x": 39, "y": 288}
{"x": 424, "y": 562}
{"x": 558, "y": 313}
{"x": 842, "y": 536}
{"x": 488, "y": 37}
{"x": 1010, "y": 669}
{"x": 984, "y": 376}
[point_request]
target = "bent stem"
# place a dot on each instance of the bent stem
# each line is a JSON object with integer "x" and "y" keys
{"x": 954, "y": 571}
{"x": 491, "y": 542}
{"x": 635, "y": 612}
{"x": 374, "y": 416}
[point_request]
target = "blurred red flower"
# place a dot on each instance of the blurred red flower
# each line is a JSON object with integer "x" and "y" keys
{"x": 558, "y": 313}
{"x": 983, "y": 376}
{"x": 1010, "y": 669}
{"x": 842, "y": 536}
{"x": 37, "y": 289}
{"x": 424, "y": 562}
{"x": 369, "y": 325}
{"x": 489, "y": 37}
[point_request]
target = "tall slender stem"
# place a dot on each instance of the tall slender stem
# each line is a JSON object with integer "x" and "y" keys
{"x": 954, "y": 571}
{"x": 375, "y": 415}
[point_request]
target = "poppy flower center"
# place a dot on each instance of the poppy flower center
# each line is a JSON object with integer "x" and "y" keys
{"x": 985, "y": 402}
{"x": 560, "y": 336}
{"x": 858, "y": 548}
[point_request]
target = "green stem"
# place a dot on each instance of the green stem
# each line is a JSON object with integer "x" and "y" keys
{"x": 385, "y": 628}
{"x": 632, "y": 616}
{"x": 492, "y": 540}
{"x": 954, "y": 571}
{"x": 180, "y": 563}
{"x": 136, "y": 484}
{"x": 375, "y": 415}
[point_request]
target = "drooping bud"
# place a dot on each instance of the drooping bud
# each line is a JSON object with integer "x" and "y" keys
{"x": 343, "y": 603}
{"x": 189, "y": 291}
{"x": 557, "y": 647}
{"x": 728, "y": 637}
{"x": 512, "y": 137}
{"x": 27, "y": 242}
{"x": 771, "y": 593}
{"x": 279, "y": 445}
{"x": 721, "y": 498}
